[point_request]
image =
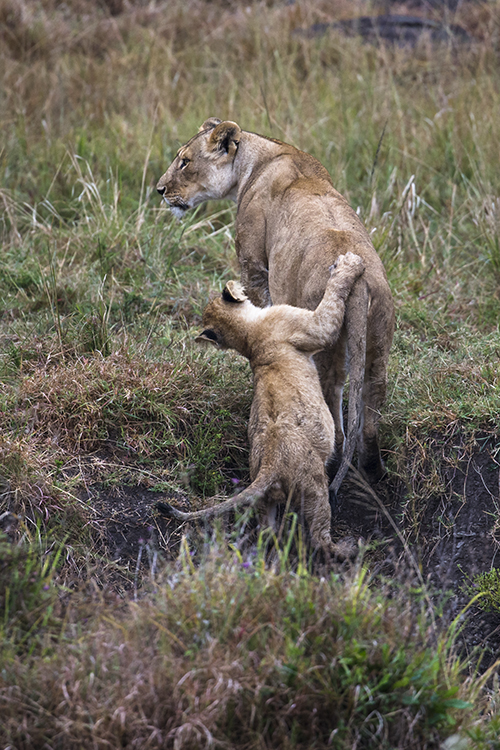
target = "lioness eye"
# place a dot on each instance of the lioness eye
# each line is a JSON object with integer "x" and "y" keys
{"x": 184, "y": 163}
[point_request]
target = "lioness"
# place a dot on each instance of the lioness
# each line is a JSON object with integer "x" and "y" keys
{"x": 291, "y": 225}
{"x": 291, "y": 430}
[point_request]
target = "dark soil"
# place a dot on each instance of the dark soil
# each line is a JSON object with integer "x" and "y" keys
{"x": 400, "y": 30}
{"x": 450, "y": 537}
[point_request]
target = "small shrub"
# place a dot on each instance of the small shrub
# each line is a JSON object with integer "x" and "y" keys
{"x": 487, "y": 587}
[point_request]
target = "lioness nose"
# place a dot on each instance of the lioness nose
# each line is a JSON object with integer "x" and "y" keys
{"x": 161, "y": 190}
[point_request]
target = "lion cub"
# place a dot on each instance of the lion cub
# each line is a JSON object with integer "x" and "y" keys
{"x": 291, "y": 430}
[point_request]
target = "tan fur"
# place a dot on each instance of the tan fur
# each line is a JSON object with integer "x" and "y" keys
{"x": 291, "y": 430}
{"x": 291, "y": 225}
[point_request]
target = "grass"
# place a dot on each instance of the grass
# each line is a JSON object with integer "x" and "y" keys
{"x": 102, "y": 386}
{"x": 236, "y": 652}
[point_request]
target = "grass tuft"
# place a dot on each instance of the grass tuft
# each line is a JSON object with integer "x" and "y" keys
{"x": 487, "y": 587}
{"x": 234, "y": 652}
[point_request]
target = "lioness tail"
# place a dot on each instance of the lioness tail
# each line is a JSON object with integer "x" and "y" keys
{"x": 356, "y": 314}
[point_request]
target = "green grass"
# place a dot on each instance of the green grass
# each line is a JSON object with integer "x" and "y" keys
{"x": 102, "y": 385}
{"x": 29, "y": 591}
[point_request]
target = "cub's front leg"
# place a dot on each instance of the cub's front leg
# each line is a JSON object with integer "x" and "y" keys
{"x": 320, "y": 329}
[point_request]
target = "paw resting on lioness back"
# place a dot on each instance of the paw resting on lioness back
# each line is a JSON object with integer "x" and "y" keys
{"x": 344, "y": 273}
{"x": 351, "y": 263}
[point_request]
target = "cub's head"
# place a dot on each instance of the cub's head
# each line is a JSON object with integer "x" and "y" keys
{"x": 203, "y": 168}
{"x": 226, "y": 320}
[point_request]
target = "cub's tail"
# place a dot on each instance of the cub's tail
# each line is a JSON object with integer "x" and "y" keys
{"x": 250, "y": 496}
{"x": 356, "y": 313}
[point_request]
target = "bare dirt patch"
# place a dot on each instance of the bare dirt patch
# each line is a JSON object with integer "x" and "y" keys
{"x": 455, "y": 536}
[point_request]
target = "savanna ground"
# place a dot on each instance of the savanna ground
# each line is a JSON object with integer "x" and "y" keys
{"x": 118, "y": 628}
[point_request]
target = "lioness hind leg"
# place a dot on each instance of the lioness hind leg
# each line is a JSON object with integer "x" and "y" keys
{"x": 374, "y": 391}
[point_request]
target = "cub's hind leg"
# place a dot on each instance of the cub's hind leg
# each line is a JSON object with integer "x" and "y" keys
{"x": 267, "y": 507}
{"x": 317, "y": 513}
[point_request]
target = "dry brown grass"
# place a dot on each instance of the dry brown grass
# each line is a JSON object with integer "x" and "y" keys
{"x": 131, "y": 409}
{"x": 62, "y": 63}
{"x": 78, "y": 406}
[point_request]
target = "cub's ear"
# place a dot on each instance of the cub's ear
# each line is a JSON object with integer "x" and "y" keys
{"x": 233, "y": 292}
{"x": 208, "y": 336}
{"x": 225, "y": 138}
{"x": 209, "y": 124}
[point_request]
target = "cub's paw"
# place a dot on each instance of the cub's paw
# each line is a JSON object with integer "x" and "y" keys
{"x": 346, "y": 548}
{"x": 348, "y": 263}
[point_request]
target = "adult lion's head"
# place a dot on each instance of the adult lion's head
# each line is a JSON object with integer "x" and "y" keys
{"x": 202, "y": 169}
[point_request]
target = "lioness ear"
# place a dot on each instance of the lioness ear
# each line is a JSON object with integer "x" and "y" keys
{"x": 225, "y": 137}
{"x": 233, "y": 292}
{"x": 209, "y": 124}
{"x": 208, "y": 336}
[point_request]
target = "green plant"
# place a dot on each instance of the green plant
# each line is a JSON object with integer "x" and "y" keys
{"x": 487, "y": 587}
